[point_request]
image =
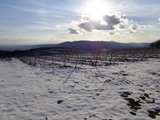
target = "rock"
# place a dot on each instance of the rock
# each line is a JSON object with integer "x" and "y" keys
{"x": 152, "y": 113}
{"x": 133, "y": 113}
{"x": 152, "y": 116}
{"x": 142, "y": 97}
{"x": 125, "y": 93}
{"x": 92, "y": 116}
{"x": 150, "y": 101}
{"x": 146, "y": 95}
{"x": 97, "y": 94}
{"x": 50, "y": 91}
{"x": 134, "y": 105}
{"x": 157, "y": 109}
{"x": 76, "y": 82}
{"x": 59, "y": 101}
{"x": 125, "y": 74}
{"x": 142, "y": 90}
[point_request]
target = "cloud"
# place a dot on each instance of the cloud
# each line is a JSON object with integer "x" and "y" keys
{"x": 89, "y": 25}
{"x": 116, "y": 20}
{"x": 72, "y": 31}
{"x": 145, "y": 26}
{"x": 109, "y": 23}
{"x": 94, "y": 25}
{"x": 111, "y": 20}
{"x": 86, "y": 26}
{"x": 111, "y": 33}
{"x": 86, "y": 18}
{"x": 159, "y": 19}
{"x": 99, "y": 26}
{"x": 133, "y": 27}
{"x": 122, "y": 26}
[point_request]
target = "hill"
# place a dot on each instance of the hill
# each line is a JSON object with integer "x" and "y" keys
{"x": 100, "y": 45}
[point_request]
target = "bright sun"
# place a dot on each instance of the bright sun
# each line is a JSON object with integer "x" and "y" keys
{"x": 96, "y": 9}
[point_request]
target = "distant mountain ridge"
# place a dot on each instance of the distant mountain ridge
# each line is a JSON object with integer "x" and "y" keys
{"x": 82, "y": 44}
{"x": 100, "y": 45}
{"x": 24, "y": 47}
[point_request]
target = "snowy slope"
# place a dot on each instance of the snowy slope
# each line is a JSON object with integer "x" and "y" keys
{"x": 119, "y": 92}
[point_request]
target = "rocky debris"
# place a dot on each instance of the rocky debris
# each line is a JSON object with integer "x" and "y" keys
{"x": 125, "y": 93}
{"x": 147, "y": 98}
{"x": 153, "y": 112}
{"x": 91, "y": 116}
{"x": 133, "y": 104}
{"x": 158, "y": 110}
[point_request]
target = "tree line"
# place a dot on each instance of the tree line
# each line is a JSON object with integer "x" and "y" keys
{"x": 155, "y": 44}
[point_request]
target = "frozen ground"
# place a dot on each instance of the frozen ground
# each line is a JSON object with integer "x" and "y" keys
{"x": 129, "y": 91}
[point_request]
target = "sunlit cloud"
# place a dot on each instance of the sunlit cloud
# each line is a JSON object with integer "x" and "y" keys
{"x": 109, "y": 22}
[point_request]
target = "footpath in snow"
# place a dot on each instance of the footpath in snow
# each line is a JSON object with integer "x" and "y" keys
{"x": 129, "y": 91}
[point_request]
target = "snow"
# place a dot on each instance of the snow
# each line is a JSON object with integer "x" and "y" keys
{"x": 128, "y": 91}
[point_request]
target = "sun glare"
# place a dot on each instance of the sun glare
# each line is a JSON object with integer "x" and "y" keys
{"x": 96, "y": 9}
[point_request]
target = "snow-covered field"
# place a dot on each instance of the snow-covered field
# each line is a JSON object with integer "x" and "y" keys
{"x": 128, "y": 91}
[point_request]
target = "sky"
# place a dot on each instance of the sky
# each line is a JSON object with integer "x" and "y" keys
{"x": 26, "y": 22}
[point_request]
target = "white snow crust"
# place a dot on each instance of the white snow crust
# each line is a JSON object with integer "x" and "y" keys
{"x": 90, "y": 93}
